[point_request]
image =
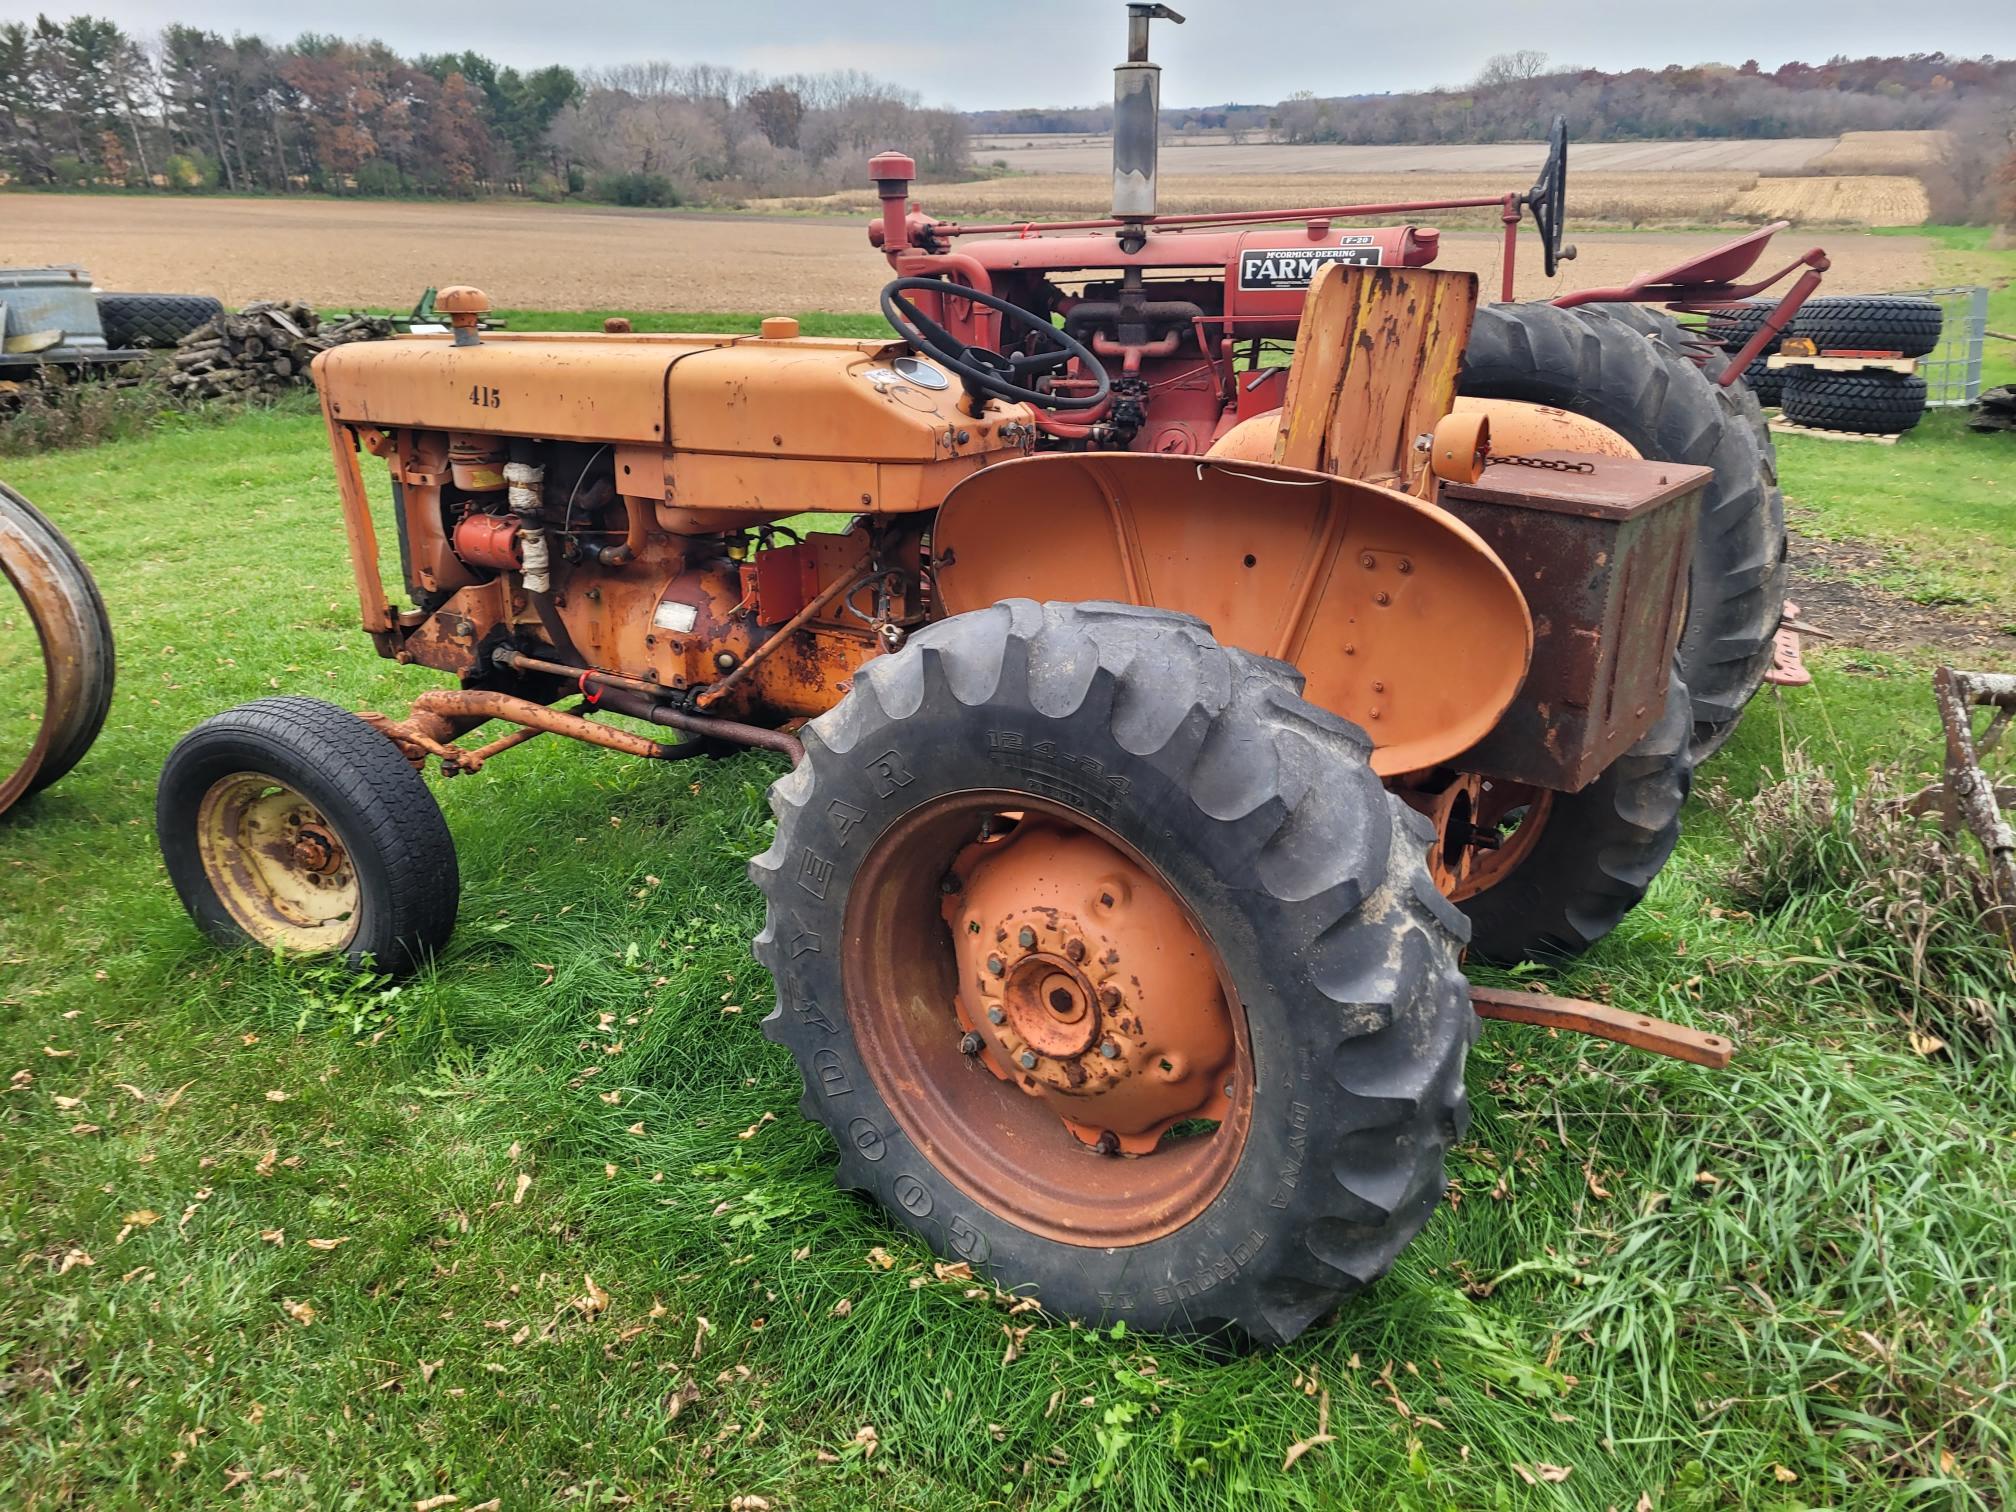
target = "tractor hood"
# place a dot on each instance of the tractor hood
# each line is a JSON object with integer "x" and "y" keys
{"x": 758, "y": 397}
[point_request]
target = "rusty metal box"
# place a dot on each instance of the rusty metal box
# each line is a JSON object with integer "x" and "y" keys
{"x": 1602, "y": 556}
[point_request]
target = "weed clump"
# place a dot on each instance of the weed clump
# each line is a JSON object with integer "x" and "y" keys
{"x": 1896, "y": 899}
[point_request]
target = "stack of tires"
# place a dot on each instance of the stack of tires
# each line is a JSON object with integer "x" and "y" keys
{"x": 1879, "y": 397}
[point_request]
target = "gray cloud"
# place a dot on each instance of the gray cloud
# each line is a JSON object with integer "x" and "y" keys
{"x": 1060, "y": 52}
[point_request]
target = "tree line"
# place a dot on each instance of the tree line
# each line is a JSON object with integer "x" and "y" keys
{"x": 84, "y": 104}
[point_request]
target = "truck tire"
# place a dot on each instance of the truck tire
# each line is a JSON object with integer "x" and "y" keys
{"x": 1732, "y": 326}
{"x": 1765, "y": 381}
{"x": 1182, "y": 782}
{"x": 1869, "y": 323}
{"x": 1873, "y": 403}
{"x": 153, "y": 320}
{"x": 1600, "y": 368}
{"x": 294, "y": 825}
{"x": 1595, "y": 854}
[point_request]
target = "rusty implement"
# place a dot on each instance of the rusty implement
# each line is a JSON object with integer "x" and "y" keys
{"x": 1638, "y": 1030}
{"x": 1969, "y": 796}
{"x": 75, "y": 638}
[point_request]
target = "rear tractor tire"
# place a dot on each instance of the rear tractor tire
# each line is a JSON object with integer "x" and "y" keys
{"x": 294, "y": 825}
{"x": 1113, "y": 970}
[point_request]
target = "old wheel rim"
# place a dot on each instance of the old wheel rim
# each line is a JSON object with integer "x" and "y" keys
{"x": 1497, "y": 805}
{"x": 277, "y": 865}
{"x": 1110, "y": 1007}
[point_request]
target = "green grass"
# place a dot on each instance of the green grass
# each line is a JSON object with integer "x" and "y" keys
{"x": 1684, "y": 1285}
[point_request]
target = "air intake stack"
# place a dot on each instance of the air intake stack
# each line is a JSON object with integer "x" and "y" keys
{"x": 1137, "y": 118}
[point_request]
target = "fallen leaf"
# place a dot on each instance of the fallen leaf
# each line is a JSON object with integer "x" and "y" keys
{"x": 276, "y": 1095}
{"x": 681, "y": 1399}
{"x": 1321, "y": 1436}
{"x": 327, "y": 1244}
{"x": 300, "y": 1312}
{"x": 72, "y": 1259}
{"x": 524, "y": 1185}
{"x": 1927, "y": 1045}
{"x": 1553, "y": 1475}
{"x": 609, "y": 1171}
{"x": 1783, "y": 1476}
{"x": 432, "y": 1503}
{"x": 67, "y": 1103}
{"x": 803, "y": 1252}
{"x": 880, "y": 1256}
{"x": 596, "y": 1301}
{"x": 234, "y": 1478}
{"x": 957, "y": 1271}
{"x": 702, "y": 1328}
{"x": 265, "y": 1165}
{"x": 635, "y": 1128}
{"x": 743, "y": 1503}
{"x": 865, "y": 1436}
{"x": 54, "y": 1054}
{"x": 842, "y": 1308}
{"x": 1596, "y": 1188}
{"x": 611, "y": 1098}
{"x": 427, "y": 1369}
{"x": 1015, "y": 1338}
{"x": 273, "y": 1236}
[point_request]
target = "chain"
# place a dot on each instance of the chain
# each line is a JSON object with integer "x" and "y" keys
{"x": 1550, "y": 464}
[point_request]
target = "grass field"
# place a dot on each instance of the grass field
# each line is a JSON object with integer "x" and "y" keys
{"x": 525, "y": 1228}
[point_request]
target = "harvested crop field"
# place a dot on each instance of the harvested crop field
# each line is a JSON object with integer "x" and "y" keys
{"x": 377, "y": 252}
{"x": 1606, "y": 198}
{"x": 1214, "y": 152}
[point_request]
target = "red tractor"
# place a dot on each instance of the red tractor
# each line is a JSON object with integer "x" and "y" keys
{"x": 1234, "y": 623}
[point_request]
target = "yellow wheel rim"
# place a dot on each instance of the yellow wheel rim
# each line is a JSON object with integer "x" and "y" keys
{"x": 277, "y": 865}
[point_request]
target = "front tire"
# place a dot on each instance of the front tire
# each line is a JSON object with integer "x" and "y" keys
{"x": 1233, "y": 805}
{"x": 294, "y": 825}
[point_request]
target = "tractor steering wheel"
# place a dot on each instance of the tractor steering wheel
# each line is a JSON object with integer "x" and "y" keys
{"x": 1006, "y": 376}
{"x": 1549, "y": 198}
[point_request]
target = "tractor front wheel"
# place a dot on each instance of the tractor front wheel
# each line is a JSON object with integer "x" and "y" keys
{"x": 1113, "y": 970}
{"x": 294, "y": 825}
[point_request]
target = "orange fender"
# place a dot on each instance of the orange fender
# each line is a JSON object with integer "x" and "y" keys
{"x": 1399, "y": 616}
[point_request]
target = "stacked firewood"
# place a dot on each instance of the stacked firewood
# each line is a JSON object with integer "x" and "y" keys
{"x": 265, "y": 347}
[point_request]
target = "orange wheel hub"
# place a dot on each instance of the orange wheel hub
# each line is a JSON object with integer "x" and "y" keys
{"x": 1090, "y": 989}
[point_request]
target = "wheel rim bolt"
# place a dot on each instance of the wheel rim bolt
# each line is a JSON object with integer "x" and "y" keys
{"x": 1027, "y": 938}
{"x": 969, "y": 1043}
{"x": 1108, "y": 1049}
{"x": 994, "y": 966}
{"x": 1109, "y": 997}
{"x": 1076, "y": 950}
{"x": 996, "y": 1016}
{"x": 1026, "y": 1060}
{"x": 949, "y": 886}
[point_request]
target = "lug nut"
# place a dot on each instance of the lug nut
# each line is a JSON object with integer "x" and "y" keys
{"x": 1027, "y": 938}
{"x": 969, "y": 1043}
{"x": 949, "y": 886}
{"x": 1075, "y": 949}
{"x": 1109, "y": 996}
{"x": 1026, "y": 1060}
{"x": 994, "y": 966}
{"x": 1108, "y": 1049}
{"x": 1109, "y": 1143}
{"x": 995, "y": 1016}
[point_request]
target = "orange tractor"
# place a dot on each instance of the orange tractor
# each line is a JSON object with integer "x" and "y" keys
{"x": 1165, "y": 717}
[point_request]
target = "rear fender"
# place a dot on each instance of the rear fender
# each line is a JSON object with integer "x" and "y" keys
{"x": 1399, "y": 616}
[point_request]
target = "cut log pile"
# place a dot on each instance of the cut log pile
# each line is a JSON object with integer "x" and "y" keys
{"x": 265, "y": 347}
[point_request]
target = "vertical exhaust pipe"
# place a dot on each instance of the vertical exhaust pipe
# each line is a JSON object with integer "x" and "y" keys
{"x": 1137, "y": 118}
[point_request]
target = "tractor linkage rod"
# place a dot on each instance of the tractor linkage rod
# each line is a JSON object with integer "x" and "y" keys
{"x": 1638, "y": 1030}
{"x": 649, "y": 701}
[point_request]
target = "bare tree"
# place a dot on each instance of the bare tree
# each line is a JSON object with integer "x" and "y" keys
{"x": 1511, "y": 68}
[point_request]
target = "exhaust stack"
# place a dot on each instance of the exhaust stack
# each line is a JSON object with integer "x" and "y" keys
{"x": 1137, "y": 118}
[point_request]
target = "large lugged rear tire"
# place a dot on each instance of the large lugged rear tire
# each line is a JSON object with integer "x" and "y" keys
{"x": 153, "y": 320}
{"x": 1663, "y": 406}
{"x": 293, "y": 824}
{"x": 1870, "y": 323}
{"x": 1596, "y": 854}
{"x": 1253, "y": 816}
{"x": 1874, "y": 403}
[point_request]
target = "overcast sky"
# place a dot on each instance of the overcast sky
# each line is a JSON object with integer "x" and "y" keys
{"x": 976, "y": 55}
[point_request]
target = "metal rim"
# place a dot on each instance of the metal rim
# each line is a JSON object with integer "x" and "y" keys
{"x": 277, "y": 865}
{"x": 1494, "y": 804}
{"x": 1062, "y": 984}
{"x": 74, "y": 638}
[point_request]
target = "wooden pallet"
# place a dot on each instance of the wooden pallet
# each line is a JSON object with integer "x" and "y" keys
{"x": 1783, "y": 427}
{"x": 1778, "y": 362}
